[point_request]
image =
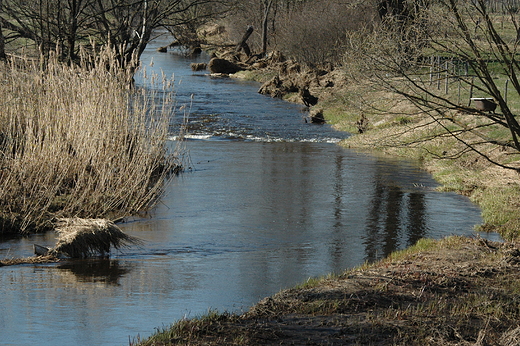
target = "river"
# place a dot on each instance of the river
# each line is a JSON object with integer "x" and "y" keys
{"x": 266, "y": 202}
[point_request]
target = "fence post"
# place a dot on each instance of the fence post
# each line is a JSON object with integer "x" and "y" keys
{"x": 471, "y": 90}
{"x": 447, "y": 79}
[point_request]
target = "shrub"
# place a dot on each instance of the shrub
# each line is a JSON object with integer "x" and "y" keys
{"x": 316, "y": 33}
{"x": 313, "y": 32}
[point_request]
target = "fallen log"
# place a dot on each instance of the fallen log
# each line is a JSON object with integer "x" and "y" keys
{"x": 28, "y": 260}
{"x": 243, "y": 43}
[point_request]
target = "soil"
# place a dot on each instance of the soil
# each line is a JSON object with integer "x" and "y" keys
{"x": 457, "y": 291}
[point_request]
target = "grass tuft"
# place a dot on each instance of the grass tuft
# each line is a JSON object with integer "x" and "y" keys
{"x": 82, "y": 238}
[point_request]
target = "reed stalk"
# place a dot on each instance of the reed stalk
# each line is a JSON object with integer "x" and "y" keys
{"x": 76, "y": 141}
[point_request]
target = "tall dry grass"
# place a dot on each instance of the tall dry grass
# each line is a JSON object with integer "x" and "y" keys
{"x": 78, "y": 142}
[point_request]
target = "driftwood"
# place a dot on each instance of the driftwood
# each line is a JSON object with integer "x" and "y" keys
{"x": 29, "y": 260}
{"x": 243, "y": 43}
{"x": 79, "y": 238}
{"x": 41, "y": 250}
{"x": 198, "y": 66}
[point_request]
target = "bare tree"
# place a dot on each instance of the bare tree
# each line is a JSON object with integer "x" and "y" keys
{"x": 264, "y": 14}
{"x": 267, "y": 4}
{"x": 315, "y": 32}
{"x": 126, "y": 25}
{"x": 2, "y": 39}
{"x": 463, "y": 50}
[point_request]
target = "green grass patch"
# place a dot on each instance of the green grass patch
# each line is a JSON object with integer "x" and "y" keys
{"x": 261, "y": 76}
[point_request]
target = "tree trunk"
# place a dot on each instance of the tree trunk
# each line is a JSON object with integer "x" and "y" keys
{"x": 73, "y": 28}
{"x": 267, "y": 9}
{"x": 2, "y": 41}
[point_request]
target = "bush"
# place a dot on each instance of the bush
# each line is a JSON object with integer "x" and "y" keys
{"x": 312, "y": 32}
{"x": 316, "y": 33}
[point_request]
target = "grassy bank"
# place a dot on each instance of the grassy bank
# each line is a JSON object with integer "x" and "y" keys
{"x": 395, "y": 127}
{"x": 77, "y": 141}
{"x": 455, "y": 291}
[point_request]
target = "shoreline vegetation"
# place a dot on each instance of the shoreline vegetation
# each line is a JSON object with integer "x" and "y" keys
{"x": 76, "y": 141}
{"x": 454, "y": 291}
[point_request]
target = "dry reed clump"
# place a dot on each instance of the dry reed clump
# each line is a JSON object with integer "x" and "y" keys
{"x": 77, "y": 141}
{"x": 82, "y": 238}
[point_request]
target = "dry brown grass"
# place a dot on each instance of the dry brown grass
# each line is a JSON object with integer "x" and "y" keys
{"x": 28, "y": 260}
{"x": 77, "y": 141}
{"x": 82, "y": 238}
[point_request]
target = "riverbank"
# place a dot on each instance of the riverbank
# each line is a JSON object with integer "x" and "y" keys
{"x": 454, "y": 291}
{"x": 386, "y": 124}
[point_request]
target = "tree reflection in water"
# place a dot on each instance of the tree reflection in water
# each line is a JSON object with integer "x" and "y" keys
{"x": 395, "y": 216}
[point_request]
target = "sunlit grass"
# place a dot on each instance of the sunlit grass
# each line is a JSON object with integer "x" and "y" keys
{"x": 184, "y": 329}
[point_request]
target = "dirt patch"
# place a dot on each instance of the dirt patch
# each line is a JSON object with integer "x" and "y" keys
{"x": 457, "y": 291}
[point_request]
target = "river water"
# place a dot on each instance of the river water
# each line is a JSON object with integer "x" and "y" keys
{"x": 267, "y": 202}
